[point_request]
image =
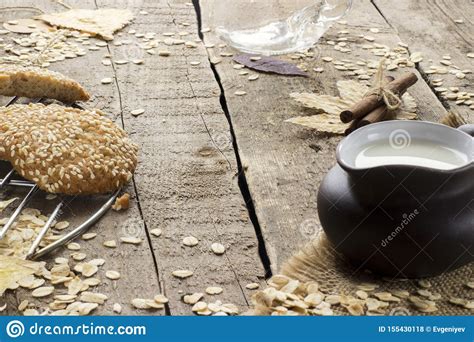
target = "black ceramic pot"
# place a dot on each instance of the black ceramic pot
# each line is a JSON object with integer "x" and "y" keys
{"x": 401, "y": 220}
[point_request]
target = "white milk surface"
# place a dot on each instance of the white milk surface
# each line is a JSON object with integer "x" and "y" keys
{"x": 416, "y": 153}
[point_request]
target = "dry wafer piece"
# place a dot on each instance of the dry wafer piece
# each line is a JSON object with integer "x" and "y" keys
{"x": 101, "y": 22}
{"x": 36, "y": 82}
{"x": 66, "y": 150}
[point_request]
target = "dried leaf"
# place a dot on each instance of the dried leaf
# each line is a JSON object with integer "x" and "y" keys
{"x": 321, "y": 122}
{"x": 330, "y": 107}
{"x": 270, "y": 64}
{"x": 322, "y": 103}
{"x": 4, "y": 204}
{"x": 14, "y": 269}
{"x": 351, "y": 91}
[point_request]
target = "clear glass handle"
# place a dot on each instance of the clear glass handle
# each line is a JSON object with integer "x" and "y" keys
{"x": 271, "y": 27}
{"x": 333, "y": 10}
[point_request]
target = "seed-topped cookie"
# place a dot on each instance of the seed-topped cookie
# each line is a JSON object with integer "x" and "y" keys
{"x": 36, "y": 82}
{"x": 66, "y": 150}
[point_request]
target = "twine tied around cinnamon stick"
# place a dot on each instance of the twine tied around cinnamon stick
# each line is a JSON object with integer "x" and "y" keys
{"x": 391, "y": 99}
{"x": 386, "y": 94}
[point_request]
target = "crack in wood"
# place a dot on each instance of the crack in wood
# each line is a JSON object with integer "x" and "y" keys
{"x": 220, "y": 151}
{"x": 242, "y": 181}
{"x": 135, "y": 189}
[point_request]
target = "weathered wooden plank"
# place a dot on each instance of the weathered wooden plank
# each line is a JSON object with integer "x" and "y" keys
{"x": 438, "y": 28}
{"x": 135, "y": 263}
{"x": 284, "y": 164}
{"x": 186, "y": 180}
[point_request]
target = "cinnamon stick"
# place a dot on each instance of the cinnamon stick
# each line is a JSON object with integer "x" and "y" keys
{"x": 378, "y": 114}
{"x": 352, "y": 127}
{"x": 371, "y": 102}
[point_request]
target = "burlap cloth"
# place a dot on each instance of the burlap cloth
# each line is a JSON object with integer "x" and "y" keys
{"x": 317, "y": 262}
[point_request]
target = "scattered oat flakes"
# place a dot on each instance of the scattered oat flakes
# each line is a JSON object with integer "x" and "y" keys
{"x": 164, "y": 53}
{"x": 106, "y": 80}
{"x": 93, "y": 297}
{"x": 22, "y": 306}
{"x": 190, "y": 241}
{"x": 424, "y": 283}
{"x": 131, "y": 240}
{"x": 160, "y": 299}
{"x": 252, "y": 286}
{"x": 117, "y": 308}
{"x": 110, "y": 243}
{"x": 73, "y": 246}
{"x": 214, "y": 290}
{"x": 253, "y": 77}
{"x": 240, "y": 93}
{"x": 89, "y": 236}
{"x": 199, "y": 306}
{"x": 156, "y": 232}
{"x": 75, "y": 286}
{"x": 193, "y": 298}
{"x": 140, "y": 303}
{"x": 416, "y": 57}
{"x": 137, "y": 112}
{"x": 61, "y": 261}
{"x": 92, "y": 281}
{"x": 61, "y": 225}
{"x": 79, "y": 256}
{"x": 112, "y": 275}
{"x": 217, "y": 248}
{"x": 42, "y": 291}
{"x": 182, "y": 273}
{"x": 88, "y": 269}
{"x": 215, "y": 60}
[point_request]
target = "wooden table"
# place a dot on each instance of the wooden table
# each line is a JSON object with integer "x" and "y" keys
{"x": 227, "y": 168}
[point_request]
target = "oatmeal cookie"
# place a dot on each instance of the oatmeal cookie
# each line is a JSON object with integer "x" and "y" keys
{"x": 66, "y": 150}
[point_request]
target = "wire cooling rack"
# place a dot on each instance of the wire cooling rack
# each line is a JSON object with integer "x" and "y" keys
{"x": 12, "y": 180}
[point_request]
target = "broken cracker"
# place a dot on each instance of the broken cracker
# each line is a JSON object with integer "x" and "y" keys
{"x": 36, "y": 82}
{"x": 99, "y": 22}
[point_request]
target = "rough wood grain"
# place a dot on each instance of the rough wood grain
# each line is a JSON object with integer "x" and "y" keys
{"x": 135, "y": 263}
{"x": 284, "y": 163}
{"x": 430, "y": 27}
{"x": 186, "y": 179}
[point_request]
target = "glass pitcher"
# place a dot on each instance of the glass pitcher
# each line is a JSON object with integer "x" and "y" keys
{"x": 272, "y": 27}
